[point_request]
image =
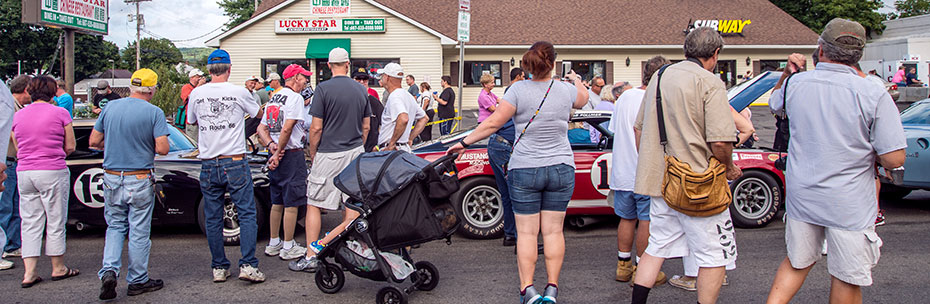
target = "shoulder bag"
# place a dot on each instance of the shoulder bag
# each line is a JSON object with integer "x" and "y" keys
{"x": 692, "y": 193}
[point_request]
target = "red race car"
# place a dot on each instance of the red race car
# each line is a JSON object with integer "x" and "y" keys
{"x": 757, "y": 194}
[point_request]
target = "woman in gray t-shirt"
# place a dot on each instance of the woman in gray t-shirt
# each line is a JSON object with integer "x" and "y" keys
{"x": 541, "y": 172}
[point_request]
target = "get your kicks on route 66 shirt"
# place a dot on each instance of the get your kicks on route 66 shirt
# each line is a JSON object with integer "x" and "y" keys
{"x": 219, "y": 110}
{"x": 283, "y": 106}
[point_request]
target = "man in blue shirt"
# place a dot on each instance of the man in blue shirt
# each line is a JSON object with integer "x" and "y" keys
{"x": 130, "y": 131}
{"x": 63, "y": 99}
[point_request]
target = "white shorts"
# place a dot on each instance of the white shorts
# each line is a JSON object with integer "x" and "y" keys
{"x": 321, "y": 192}
{"x": 852, "y": 253}
{"x": 710, "y": 240}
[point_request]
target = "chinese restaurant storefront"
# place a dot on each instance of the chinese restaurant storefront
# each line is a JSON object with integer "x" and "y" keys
{"x": 419, "y": 34}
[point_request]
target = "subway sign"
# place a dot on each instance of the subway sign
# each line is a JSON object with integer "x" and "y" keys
{"x": 328, "y": 26}
{"x": 723, "y": 26}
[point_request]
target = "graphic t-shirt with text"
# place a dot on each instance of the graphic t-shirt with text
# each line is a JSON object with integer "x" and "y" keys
{"x": 219, "y": 110}
{"x": 283, "y": 106}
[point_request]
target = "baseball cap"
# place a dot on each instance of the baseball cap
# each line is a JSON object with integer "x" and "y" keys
{"x": 218, "y": 56}
{"x": 194, "y": 72}
{"x": 256, "y": 78}
{"x": 274, "y": 76}
{"x": 102, "y": 86}
{"x": 392, "y": 69}
{"x": 294, "y": 69}
{"x": 144, "y": 78}
{"x": 338, "y": 55}
{"x": 361, "y": 73}
{"x": 839, "y": 27}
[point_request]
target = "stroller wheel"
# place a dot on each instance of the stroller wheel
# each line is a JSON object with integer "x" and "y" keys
{"x": 329, "y": 278}
{"x": 427, "y": 276}
{"x": 391, "y": 295}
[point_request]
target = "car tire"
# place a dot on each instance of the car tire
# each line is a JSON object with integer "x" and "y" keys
{"x": 756, "y": 199}
{"x": 479, "y": 208}
{"x": 231, "y": 220}
{"x": 892, "y": 192}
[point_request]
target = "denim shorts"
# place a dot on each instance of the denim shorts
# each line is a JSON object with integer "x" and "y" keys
{"x": 631, "y": 206}
{"x": 289, "y": 180}
{"x": 544, "y": 188}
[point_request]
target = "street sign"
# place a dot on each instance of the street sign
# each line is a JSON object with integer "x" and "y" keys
{"x": 465, "y": 5}
{"x": 83, "y": 15}
{"x": 464, "y": 26}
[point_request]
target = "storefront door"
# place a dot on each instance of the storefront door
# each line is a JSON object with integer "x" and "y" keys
{"x": 726, "y": 69}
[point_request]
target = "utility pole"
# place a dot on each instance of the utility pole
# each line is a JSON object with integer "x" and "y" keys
{"x": 140, "y": 21}
{"x": 68, "y": 70}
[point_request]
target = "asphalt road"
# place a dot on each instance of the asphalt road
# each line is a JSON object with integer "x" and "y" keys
{"x": 482, "y": 271}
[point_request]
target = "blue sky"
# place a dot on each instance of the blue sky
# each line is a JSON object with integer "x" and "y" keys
{"x": 187, "y": 19}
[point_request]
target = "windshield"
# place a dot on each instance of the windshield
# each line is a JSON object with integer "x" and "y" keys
{"x": 918, "y": 114}
{"x": 178, "y": 141}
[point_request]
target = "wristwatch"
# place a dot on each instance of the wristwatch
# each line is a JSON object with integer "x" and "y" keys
{"x": 464, "y": 145}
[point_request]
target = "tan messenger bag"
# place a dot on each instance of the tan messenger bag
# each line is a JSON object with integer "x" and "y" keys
{"x": 694, "y": 194}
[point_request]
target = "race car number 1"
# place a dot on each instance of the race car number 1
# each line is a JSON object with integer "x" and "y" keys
{"x": 600, "y": 173}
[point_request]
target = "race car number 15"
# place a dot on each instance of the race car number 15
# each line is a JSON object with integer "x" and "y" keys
{"x": 600, "y": 173}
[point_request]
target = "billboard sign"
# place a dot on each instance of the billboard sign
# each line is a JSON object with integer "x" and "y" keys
{"x": 84, "y": 15}
{"x": 327, "y": 26}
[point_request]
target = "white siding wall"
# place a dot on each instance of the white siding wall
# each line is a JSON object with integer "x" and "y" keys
{"x": 420, "y": 52}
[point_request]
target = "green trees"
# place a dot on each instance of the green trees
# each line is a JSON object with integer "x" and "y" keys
{"x": 816, "y": 13}
{"x": 238, "y": 11}
{"x": 910, "y": 8}
{"x": 154, "y": 52}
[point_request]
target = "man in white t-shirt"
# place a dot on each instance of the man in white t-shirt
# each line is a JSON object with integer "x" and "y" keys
{"x": 218, "y": 109}
{"x": 395, "y": 120}
{"x": 281, "y": 130}
{"x": 630, "y": 206}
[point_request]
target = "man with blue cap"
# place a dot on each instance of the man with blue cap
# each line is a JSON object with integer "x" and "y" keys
{"x": 218, "y": 109}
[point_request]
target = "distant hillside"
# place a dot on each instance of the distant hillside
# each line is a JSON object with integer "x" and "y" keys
{"x": 192, "y": 55}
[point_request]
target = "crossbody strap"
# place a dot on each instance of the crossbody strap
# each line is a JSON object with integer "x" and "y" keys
{"x": 532, "y": 118}
{"x": 663, "y": 138}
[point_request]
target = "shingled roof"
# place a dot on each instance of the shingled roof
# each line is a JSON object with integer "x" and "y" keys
{"x": 590, "y": 22}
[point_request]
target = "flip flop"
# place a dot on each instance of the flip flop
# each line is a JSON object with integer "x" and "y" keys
{"x": 70, "y": 273}
{"x": 33, "y": 283}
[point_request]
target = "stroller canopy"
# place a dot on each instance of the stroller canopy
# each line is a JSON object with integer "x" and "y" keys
{"x": 372, "y": 178}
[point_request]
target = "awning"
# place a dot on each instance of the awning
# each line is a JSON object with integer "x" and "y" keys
{"x": 319, "y": 48}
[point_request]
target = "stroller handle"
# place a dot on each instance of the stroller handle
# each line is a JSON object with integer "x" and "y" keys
{"x": 443, "y": 159}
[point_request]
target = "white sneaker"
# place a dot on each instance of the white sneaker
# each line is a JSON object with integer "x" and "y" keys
{"x": 4, "y": 264}
{"x": 295, "y": 252}
{"x": 220, "y": 275}
{"x": 13, "y": 254}
{"x": 251, "y": 274}
{"x": 274, "y": 250}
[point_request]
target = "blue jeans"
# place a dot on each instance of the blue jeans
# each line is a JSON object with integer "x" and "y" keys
{"x": 498, "y": 155}
{"x": 445, "y": 127}
{"x": 129, "y": 201}
{"x": 218, "y": 176}
{"x": 9, "y": 210}
{"x": 543, "y": 188}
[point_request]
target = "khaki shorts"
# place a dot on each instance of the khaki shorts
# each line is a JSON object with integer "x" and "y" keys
{"x": 852, "y": 254}
{"x": 710, "y": 240}
{"x": 321, "y": 192}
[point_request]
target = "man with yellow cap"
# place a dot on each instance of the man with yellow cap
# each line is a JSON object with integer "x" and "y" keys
{"x": 130, "y": 131}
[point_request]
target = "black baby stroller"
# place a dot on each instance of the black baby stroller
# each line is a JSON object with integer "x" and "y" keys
{"x": 403, "y": 201}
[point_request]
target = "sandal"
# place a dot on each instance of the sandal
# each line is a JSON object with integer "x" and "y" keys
{"x": 68, "y": 274}
{"x": 30, "y": 284}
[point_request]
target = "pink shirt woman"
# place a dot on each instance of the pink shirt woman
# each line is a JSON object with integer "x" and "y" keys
{"x": 487, "y": 101}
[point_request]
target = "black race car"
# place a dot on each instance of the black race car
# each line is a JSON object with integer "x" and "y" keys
{"x": 178, "y": 198}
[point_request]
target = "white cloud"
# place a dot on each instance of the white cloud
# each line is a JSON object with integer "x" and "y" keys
{"x": 172, "y": 19}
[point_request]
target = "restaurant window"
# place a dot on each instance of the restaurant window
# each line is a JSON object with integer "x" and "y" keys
{"x": 278, "y": 66}
{"x": 474, "y": 70}
{"x": 370, "y": 65}
{"x": 586, "y": 69}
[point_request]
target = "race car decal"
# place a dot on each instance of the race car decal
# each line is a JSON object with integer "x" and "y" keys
{"x": 752, "y": 156}
{"x": 773, "y": 157}
{"x": 735, "y": 157}
{"x": 88, "y": 188}
{"x": 474, "y": 158}
{"x": 600, "y": 173}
